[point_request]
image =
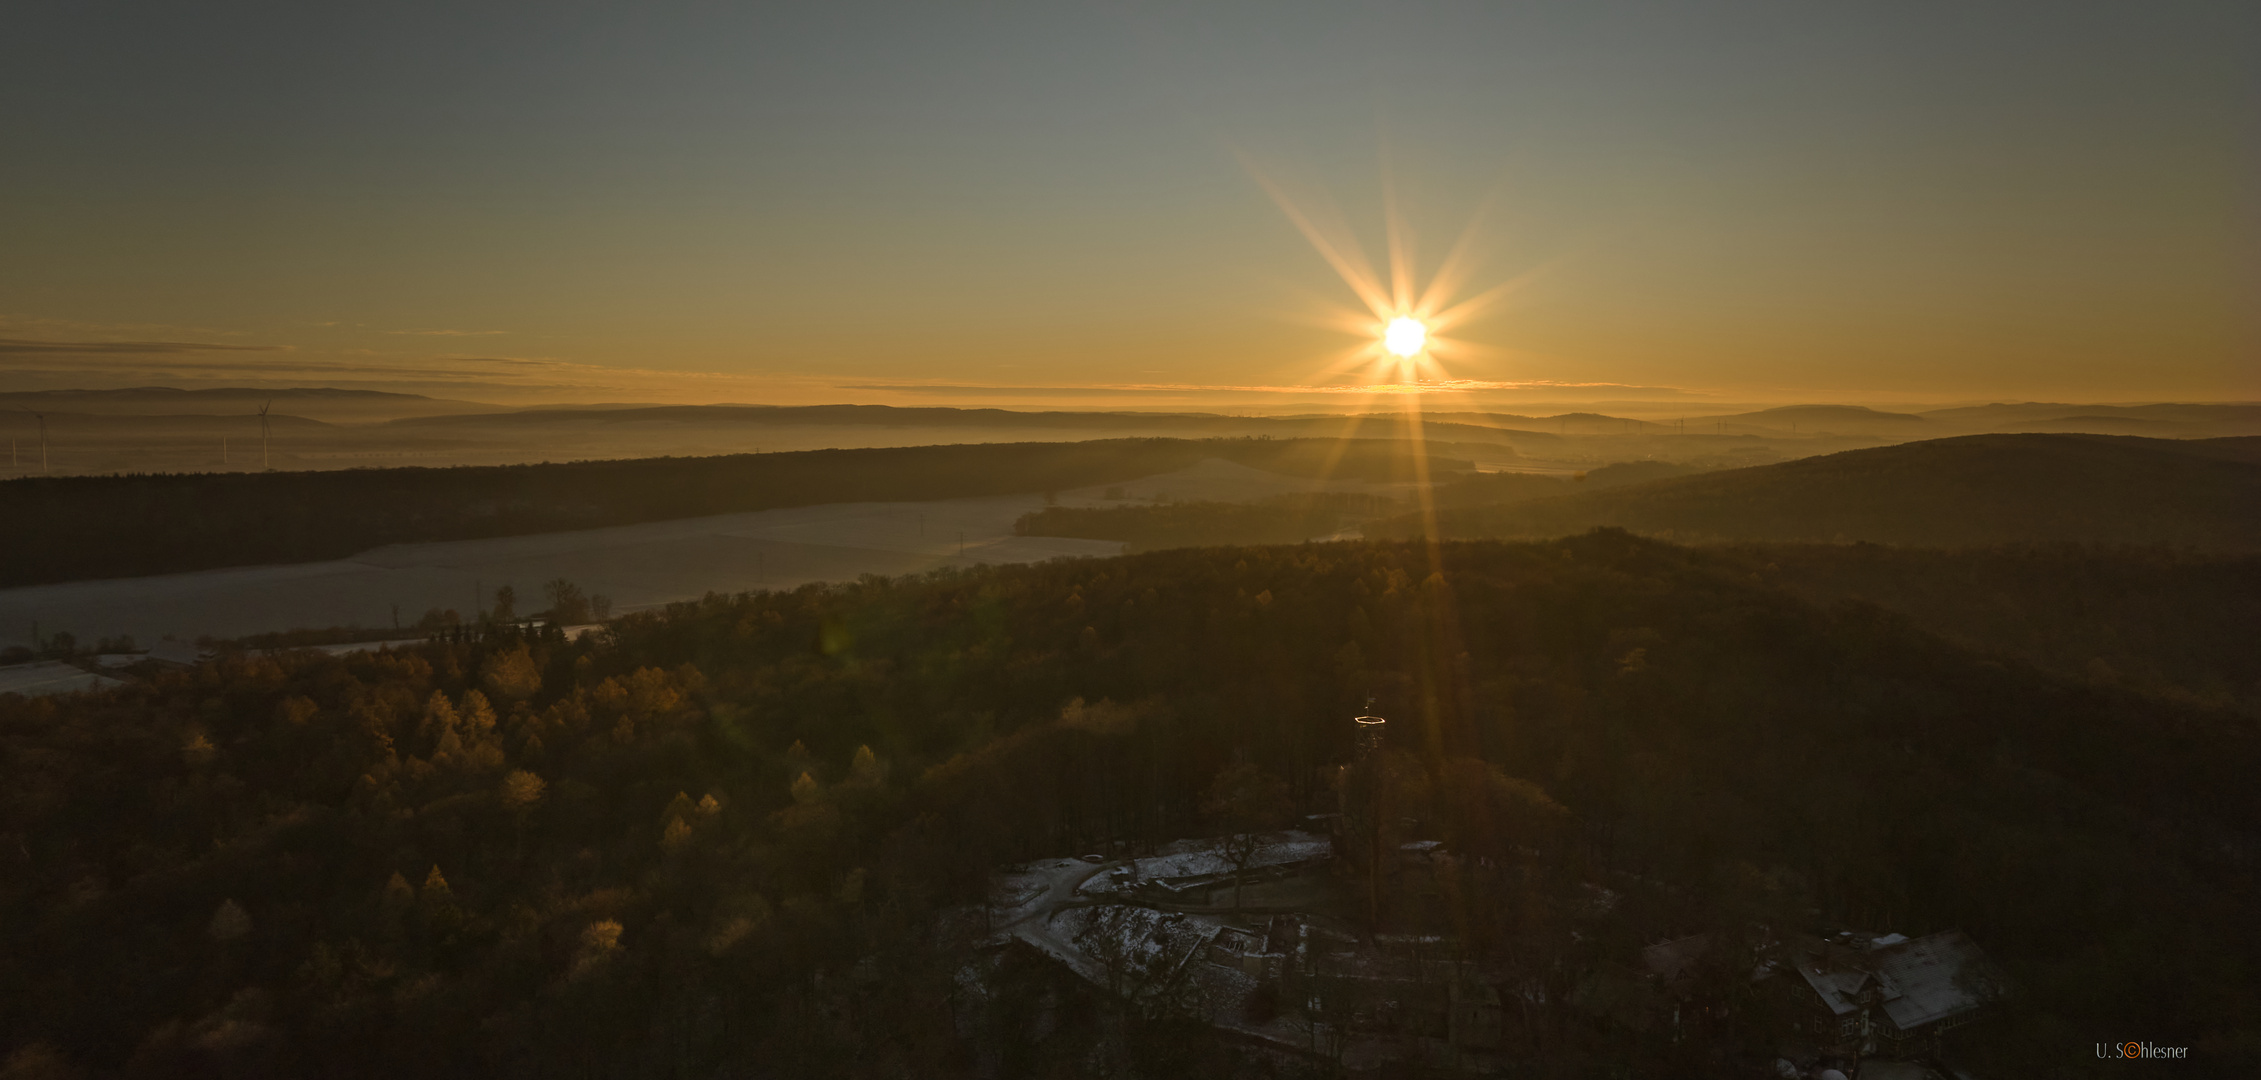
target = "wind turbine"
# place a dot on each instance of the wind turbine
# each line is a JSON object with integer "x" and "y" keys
{"x": 263, "y": 433}
{"x": 42, "y": 418}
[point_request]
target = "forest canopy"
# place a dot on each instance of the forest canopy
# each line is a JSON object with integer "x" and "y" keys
{"x": 725, "y": 837}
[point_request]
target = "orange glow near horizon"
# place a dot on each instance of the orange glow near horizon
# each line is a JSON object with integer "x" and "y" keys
{"x": 1404, "y": 352}
{"x": 1404, "y": 325}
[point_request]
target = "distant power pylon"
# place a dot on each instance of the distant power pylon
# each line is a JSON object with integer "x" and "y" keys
{"x": 263, "y": 433}
{"x": 42, "y": 418}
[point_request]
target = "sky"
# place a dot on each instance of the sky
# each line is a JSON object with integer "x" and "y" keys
{"x": 1131, "y": 204}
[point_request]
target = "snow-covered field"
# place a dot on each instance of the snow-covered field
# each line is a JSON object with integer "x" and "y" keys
{"x": 637, "y": 566}
{"x": 1199, "y": 858}
{"x": 42, "y": 677}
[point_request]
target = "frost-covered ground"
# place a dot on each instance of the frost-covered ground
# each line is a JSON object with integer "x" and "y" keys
{"x": 43, "y": 677}
{"x": 1136, "y": 949}
{"x": 1199, "y": 858}
{"x": 1209, "y": 966}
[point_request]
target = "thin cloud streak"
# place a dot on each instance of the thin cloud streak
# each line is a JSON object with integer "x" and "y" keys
{"x": 29, "y": 347}
{"x": 1440, "y": 386}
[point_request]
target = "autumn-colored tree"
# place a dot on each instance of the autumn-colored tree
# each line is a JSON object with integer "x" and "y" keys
{"x": 675, "y": 822}
{"x": 398, "y": 892}
{"x": 1943, "y": 768}
{"x": 229, "y": 922}
{"x": 738, "y": 918}
{"x": 439, "y": 725}
{"x": 296, "y": 711}
{"x": 436, "y": 901}
{"x": 520, "y": 790}
{"x": 476, "y": 717}
{"x": 511, "y": 674}
{"x": 197, "y": 750}
{"x": 866, "y": 770}
{"x": 598, "y": 945}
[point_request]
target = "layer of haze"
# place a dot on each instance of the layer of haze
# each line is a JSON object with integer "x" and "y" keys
{"x": 1022, "y": 204}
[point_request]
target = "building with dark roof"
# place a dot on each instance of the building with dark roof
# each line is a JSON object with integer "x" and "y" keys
{"x": 1890, "y": 995}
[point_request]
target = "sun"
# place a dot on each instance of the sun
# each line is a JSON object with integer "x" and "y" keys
{"x": 1409, "y": 331}
{"x": 1405, "y": 336}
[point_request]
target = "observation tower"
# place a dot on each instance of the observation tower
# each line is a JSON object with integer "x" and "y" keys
{"x": 1366, "y": 740}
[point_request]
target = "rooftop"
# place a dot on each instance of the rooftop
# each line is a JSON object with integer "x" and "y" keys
{"x": 1916, "y": 982}
{"x": 1938, "y": 976}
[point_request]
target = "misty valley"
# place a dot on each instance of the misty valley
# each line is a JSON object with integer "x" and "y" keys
{"x": 1318, "y": 756}
{"x": 1131, "y": 541}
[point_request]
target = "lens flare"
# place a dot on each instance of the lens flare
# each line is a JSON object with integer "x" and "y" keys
{"x": 1405, "y": 336}
{"x": 1408, "y": 326}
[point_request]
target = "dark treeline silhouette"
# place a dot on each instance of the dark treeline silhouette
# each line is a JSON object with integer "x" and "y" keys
{"x": 1978, "y": 489}
{"x": 1287, "y": 519}
{"x": 721, "y": 839}
{"x": 1370, "y": 426}
{"x": 72, "y": 528}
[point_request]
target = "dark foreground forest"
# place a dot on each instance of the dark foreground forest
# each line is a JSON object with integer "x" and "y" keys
{"x": 519, "y": 856}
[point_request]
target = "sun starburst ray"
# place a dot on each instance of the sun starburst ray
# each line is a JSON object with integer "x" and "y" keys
{"x": 1399, "y": 240}
{"x": 1482, "y": 302}
{"x": 1460, "y": 263}
{"x": 1344, "y": 255}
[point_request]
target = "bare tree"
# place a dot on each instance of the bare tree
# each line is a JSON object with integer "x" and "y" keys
{"x": 1331, "y": 1003}
{"x": 1105, "y": 939}
{"x": 1249, "y": 803}
{"x": 568, "y": 605}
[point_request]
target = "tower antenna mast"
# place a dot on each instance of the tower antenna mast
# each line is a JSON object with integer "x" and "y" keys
{"x": 263, "y": 433}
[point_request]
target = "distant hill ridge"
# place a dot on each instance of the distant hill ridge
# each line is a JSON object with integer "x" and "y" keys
{"x": 174, "y": 393}
{"x": 131, "y": 525}
{"x": 943, "y": 416}
{"x": 2180, "y": 419}
{"x": 1966, "y": 490}
{"x": 327, "y": 403}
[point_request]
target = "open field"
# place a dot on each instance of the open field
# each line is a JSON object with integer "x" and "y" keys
{"x": 637, "y": 566}
{"x": 44, "y": 677}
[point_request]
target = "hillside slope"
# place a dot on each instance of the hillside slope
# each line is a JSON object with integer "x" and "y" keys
{"x": 669, "y": 845}
{"x": 1977, "y": 489}
{"x": 128, "y": 526}
{"x": 2180, "y": 624}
